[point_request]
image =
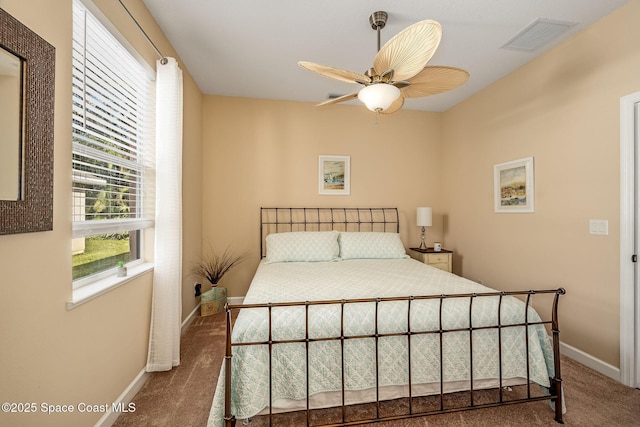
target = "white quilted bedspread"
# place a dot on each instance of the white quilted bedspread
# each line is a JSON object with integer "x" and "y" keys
{"x": 296, "y": 282}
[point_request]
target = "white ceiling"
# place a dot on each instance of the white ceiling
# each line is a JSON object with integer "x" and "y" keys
{"x": 250, "y": 48}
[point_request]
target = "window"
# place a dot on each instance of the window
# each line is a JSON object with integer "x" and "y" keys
{"x": 113, "y": 102}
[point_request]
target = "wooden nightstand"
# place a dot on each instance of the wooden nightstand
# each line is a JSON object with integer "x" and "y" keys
{"x": 441, "y": 260}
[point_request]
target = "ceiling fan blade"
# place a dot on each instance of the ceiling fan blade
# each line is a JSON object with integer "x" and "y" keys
{"x": 339, "y": 99}
{"x": 409, "y": 51}
{"x": 395, "y": 106}
{"x": 334, "y": 73}
{"x": 433, "y": 80}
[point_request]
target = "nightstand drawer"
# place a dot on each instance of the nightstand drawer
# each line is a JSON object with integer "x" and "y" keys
{"x": 440, "y": 265}
{"x": 437, "y": 258}
{"x": 441, "y": 260}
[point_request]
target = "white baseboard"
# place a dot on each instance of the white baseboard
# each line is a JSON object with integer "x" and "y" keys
{"x": 127, "y": 395}
{"x": 591, "y": 362}
{"x": 134, "y": 387}
{"x": 189, "y": 319}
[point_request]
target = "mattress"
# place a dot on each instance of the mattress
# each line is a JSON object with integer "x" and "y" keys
{"x": 373, "y": 278}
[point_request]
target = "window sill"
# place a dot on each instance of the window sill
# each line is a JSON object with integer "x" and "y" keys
{"x": 102, "y": 286}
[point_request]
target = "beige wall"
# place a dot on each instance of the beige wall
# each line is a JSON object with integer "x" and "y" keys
{"x": 91, "y": 353}
{"x": 265, "y": 153}
{"x": 562, "y": 109}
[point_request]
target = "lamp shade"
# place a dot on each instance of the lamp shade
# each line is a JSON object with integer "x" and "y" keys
{"x": 424, "y": 217}
{"x": 379, "y": 96}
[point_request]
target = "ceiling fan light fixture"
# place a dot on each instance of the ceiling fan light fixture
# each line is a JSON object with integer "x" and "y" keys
{"x": 378, "y": 97}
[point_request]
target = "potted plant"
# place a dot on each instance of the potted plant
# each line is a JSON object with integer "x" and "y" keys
{"x": 214, "y": 265}
{"x": 122, "y": 270}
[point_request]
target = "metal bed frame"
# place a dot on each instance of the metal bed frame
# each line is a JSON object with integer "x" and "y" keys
{"x": 386, "y": 219}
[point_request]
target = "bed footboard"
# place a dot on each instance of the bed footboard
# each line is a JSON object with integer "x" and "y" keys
{"x": 554, "y": 393}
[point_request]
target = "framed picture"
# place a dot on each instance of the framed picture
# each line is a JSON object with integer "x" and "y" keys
{"x": 334, "y": 175}
{"x": 513, "y": 186}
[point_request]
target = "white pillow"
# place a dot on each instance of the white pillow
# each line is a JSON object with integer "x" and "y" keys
{"x": 371, "y": 244}
{"x": 301, "y": 246}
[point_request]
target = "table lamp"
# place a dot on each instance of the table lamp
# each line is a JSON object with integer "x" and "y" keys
{"x": 423, "y": 220}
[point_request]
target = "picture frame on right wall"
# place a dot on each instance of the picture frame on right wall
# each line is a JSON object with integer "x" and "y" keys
{"x": 514, "y": 186}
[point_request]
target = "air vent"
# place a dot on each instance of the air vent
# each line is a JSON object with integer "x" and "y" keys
{"x": 538, "y": 33}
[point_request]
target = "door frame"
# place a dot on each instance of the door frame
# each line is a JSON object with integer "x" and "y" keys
{"x": 629, "y": 299}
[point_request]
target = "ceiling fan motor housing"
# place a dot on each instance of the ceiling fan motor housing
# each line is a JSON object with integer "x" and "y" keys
{"x": 378, "y": 19}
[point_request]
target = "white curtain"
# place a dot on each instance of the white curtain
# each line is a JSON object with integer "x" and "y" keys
{"x": 166, "y": 311}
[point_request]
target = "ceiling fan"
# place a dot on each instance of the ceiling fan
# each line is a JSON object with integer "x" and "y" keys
{"x": 399, "y": 68}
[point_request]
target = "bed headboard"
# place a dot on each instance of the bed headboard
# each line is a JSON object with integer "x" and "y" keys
{"x": 281, "y": 220}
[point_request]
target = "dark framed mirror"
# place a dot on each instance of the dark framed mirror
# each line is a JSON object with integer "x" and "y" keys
{"x": 27, "y": 85}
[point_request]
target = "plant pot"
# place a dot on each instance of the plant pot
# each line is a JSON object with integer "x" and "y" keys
{"x": 122, "y": 272}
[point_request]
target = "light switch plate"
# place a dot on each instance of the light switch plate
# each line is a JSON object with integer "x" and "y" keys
{"x": 599, "y": 226}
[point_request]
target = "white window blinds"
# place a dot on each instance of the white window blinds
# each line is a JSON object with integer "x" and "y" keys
{"x": 113, "y": 127}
